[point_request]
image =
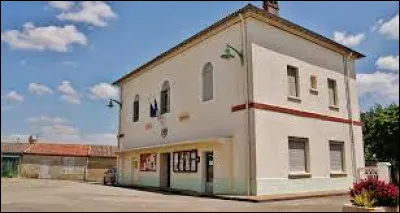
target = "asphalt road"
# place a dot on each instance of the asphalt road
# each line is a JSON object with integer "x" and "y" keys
{"x": 53, "y": 195}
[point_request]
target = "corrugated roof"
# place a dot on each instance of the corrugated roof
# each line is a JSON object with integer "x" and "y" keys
{"x": 253, "y": 9}
{"x": 14, "y": 147}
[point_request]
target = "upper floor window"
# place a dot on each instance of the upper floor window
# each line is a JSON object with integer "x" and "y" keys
{"x": 293, "y": 81}
{"x": 332, "y": 89}
{"x": 136, "y": 109}
{"x": 165, "y": 98}
{"x": 208, "y": 82}
{"x": 313, "y": 82}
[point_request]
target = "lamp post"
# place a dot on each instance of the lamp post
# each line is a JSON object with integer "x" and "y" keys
{"x": 228, "y": 55}
{"x": 111, "y": 105}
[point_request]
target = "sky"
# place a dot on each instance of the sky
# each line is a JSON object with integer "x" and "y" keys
{"x": 59, "y": 58}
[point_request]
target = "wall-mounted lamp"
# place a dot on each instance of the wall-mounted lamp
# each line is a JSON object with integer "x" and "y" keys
{"x": 228, "y": 54}
{"x": 111, "y": 104}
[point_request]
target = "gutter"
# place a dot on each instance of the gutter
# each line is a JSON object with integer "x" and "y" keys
{"x": 350, "y": 114}
{"x": 248, "y": 120}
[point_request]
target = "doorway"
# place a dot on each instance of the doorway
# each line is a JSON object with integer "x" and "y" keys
{"x": 165, "y": 170}
{"x": 209, "y": 169}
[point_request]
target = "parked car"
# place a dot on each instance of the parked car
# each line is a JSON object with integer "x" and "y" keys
{"x": 110, "y": 176}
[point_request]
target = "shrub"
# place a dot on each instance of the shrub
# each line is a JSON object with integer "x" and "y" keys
{"x": 374, "y": 191}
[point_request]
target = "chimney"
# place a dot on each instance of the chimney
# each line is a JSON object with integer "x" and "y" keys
{"x": 271, "y": 7}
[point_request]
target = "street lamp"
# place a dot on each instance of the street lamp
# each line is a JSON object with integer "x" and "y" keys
{"x": 111, "y": 105}
{"x": 228, "y": 54}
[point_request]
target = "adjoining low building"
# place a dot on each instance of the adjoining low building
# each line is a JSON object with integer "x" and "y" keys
{"x": 11, "y": 154}
{"x": 58, "y": 161}
{"x": 100, "y": 158}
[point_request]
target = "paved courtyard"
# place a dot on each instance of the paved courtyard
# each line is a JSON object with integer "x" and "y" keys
{"x": 52, "y": 195}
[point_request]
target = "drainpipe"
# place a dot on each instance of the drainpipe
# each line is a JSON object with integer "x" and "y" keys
{"x": 350, "y": 115}
{"x": 244, "y": 48}
{"x": 118, "y": 139}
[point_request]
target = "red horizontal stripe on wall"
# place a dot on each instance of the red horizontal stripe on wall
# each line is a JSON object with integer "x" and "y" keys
{"x": 293, "y": 112}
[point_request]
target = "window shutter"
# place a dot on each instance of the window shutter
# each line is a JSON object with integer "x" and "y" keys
{"x": 297, "y": 155}
{"x": 332, "y": 92}
{"x": 336, "y": 156}
{"x": 292, "y": 81}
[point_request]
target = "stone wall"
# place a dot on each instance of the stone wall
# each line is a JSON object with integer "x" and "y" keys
{"x": 53, "y": 167}
{"x": 97, "y": 166}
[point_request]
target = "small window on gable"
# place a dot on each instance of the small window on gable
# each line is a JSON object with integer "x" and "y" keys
{"x": 165, "y": 98}
{"x": 208, "y": 82}
{"x": 136, "y": 109}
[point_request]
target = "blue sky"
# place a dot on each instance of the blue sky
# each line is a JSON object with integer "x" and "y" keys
{"x": 57, "y": 58}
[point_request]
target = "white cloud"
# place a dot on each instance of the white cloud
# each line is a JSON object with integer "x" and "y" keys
{"x": 103, "y": 91}
{"x": 59, "y": 129}
{"x": 69, "y": 93}
{"x": 66, "y": 88}
{"x": 378, "y": 87}
{"x": 96, "y": 13}
{"x": 39, "y": 89}
{"x": 347, "y": 39}
{"x": 71, "y": 99}
{"x": 14, "y": 96}
{"x": 69, "y": 64}
{"x": 388, "y": 63}
{"x": 6, "y": 108}
{"x": 53, "y": 38}
{"x": 62, "y": 5}
{"x": 46, "y": 120}
{"x": 389, "y": 28}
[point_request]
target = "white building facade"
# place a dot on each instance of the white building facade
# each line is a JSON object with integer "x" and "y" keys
{"x": 280, "y": 117}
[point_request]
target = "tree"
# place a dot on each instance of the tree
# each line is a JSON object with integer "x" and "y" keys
{"x": 381, "y": 133}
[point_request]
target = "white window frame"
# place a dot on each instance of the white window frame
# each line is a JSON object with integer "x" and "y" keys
{"x": 335, "y": 105}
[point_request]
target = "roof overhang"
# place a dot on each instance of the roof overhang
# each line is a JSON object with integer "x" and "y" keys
{"x": 213, "y": 140}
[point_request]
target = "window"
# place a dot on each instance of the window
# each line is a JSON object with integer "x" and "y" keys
{"x": 293, "y": 87}
{"x": 298, "y": 155}
{"x": 336, "y": 156}
{"x": 208, "y": 81}
{"x": 333, "y": 99}
{"x": 165, "y": 98}
{"x": 185, "y": 161}
{"x": 136, "y": 109}
{"x": 313, "y": 82}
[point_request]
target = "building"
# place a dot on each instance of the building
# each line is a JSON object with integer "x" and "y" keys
{"x": 11, "y": 154}
{"x": 59, "y": 161}
{"x": 280, "y": 117}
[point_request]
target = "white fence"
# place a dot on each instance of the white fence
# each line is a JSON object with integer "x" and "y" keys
{"x": 380, "y": 171}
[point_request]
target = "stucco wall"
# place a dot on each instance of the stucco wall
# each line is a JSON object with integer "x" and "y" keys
{"x": 223, "y": 176}
{"x": 97, "y": 166}
{"x": 184, "y": 73}
{"x": 272, "y": 51}
{"x": 53, "y": 167}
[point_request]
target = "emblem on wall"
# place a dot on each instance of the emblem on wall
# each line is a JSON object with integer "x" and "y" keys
{"x": 184, "y": 116}
{"x": 164, "y": 132}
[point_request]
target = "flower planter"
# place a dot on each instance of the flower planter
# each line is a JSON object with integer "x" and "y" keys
{"x": 353, "y": 208}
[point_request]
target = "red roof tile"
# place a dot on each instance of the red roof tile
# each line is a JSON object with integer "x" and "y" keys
{"x": 102, "y": 151}
{"x": 14, "y": 147}
{"x": 59, "y": 149}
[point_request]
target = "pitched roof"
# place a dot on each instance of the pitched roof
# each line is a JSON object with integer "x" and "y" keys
{"x": 14, "y": 147}
{"x": 58, "y": 149}
{"x": 102, "y": 151}
{"x": 247, "y": 8}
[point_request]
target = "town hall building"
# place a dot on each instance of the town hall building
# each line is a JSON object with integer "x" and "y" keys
{"x": 252, "y": 105}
